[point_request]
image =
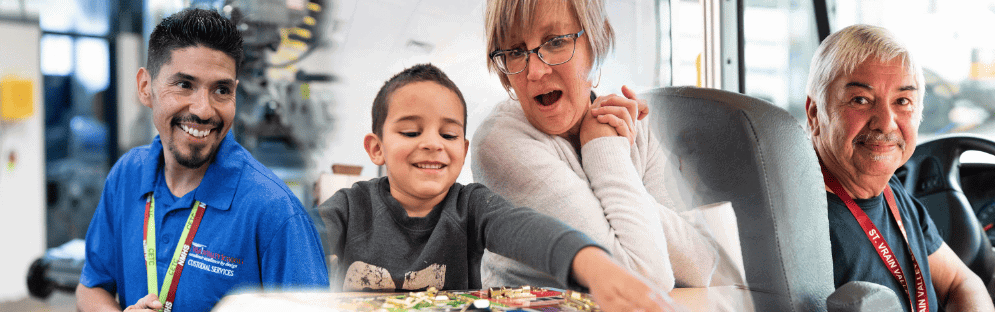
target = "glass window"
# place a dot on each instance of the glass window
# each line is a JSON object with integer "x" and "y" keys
{"x": 75, "y": 63}
{"x": 56, "y": 55}
{"x": 977, "y": 157}
{"x": 780, "y": 38}
{"x": 954, "y": 48}
{"x": 93, "y": 17}
{"x": 86, "y": 17}
{"x": 666, "y": 61}
{"x": 687, "y": 26}
{"x": 59, "y": 19}
{"x": 634, "y": 58}
{"x": 92, "y": 67}
{"x": 32, "y": 8}
{"x": 10, "y": 7}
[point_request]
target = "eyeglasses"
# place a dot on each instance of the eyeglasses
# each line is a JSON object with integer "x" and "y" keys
{"x": 555, "y": 51}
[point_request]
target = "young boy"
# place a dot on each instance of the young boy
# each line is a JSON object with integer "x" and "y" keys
{"x": 416, "y": 228}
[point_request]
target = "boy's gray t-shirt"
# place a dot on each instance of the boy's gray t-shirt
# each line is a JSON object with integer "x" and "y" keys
{"x": 379, "y": 247}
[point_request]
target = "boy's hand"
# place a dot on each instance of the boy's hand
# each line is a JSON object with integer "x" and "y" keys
{"x": 614, "y": 288}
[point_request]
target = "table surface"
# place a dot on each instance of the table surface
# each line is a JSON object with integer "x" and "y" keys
{"x": 721, "y": 298}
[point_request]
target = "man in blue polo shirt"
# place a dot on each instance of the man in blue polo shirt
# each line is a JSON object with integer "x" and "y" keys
{"x": 185, "y": 220}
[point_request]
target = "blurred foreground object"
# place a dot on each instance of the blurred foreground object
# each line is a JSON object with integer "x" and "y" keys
{"x": 493, "y": 299}
{"x": 58, "y": 269}
{"x": 711, "y": 299}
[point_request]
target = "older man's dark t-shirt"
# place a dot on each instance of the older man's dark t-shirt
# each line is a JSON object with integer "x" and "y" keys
{"x": 855, "y": 259}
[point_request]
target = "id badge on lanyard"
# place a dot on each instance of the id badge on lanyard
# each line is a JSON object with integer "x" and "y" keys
{"x": 921, "y": 300}
{"x": 172, "y": 278}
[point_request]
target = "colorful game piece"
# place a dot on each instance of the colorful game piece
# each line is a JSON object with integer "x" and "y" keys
{"x": 481, "y": 304}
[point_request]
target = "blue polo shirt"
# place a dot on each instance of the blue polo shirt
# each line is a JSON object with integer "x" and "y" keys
{"x": 254, "y": 232}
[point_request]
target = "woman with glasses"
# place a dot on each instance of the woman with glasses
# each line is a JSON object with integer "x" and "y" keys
{"x": 587, "y": 160}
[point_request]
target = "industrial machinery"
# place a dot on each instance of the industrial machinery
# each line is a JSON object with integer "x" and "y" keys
{"x": 275, "y": 98}
{"x": 281, "y": 119}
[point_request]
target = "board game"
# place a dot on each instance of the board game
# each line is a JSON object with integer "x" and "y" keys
{"x": 494, "y": 299}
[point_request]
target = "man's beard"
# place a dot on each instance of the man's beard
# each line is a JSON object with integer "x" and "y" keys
{"x": 194, "y": 161}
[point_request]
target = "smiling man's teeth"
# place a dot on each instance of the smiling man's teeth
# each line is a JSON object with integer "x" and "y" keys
{"x": 194, "y": 132}
{"x": 429, "y": 166}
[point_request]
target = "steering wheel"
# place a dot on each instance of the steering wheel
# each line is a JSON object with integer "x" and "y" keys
{"x": 932, "y": 175}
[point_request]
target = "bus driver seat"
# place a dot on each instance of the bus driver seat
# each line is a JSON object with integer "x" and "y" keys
{"x": 727, "y": 146}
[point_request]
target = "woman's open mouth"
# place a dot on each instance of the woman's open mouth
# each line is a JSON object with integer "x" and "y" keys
{"x": 548, "y": 99}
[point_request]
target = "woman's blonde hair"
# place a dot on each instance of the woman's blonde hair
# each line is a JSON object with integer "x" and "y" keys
{"x": 505, "y": 18}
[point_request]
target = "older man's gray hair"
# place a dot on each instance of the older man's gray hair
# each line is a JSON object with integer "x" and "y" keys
{"x": 841, "y": 53}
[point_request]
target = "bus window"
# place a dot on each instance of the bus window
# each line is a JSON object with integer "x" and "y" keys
{"x": 686, "y": 22}
{"x": 779, "y": 39}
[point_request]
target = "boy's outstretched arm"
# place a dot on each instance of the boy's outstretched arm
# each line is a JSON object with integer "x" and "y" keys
{"x": 614, "y": 287}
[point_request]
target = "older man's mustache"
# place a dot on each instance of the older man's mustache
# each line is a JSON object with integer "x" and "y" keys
{"x": 880, "y": 138}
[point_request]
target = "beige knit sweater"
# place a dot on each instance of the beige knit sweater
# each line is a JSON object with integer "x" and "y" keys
{"x": 611, "y": 191}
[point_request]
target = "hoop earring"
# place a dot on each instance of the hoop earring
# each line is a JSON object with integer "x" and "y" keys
{"x": 599, "y": 79}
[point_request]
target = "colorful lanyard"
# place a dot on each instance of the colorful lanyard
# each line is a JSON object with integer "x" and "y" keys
{"x": 179, "y": 256}
{"x": 921, "y": 300}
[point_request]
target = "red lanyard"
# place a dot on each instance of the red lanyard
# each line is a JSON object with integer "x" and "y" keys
{"x": 168, "y": 292}
{"x": 921, "y": 301}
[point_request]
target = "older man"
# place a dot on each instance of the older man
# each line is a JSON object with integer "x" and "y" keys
{"x": 863, "y": 109}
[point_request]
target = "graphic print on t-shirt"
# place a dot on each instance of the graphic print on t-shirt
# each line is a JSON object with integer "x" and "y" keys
{"x": 365, "y": 276}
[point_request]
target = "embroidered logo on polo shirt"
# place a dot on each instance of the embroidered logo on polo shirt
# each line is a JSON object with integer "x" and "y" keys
{"x": 215, "y": 262}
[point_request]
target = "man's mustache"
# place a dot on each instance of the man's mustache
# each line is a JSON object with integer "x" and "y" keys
{"x": 875, "y": 137}
{"x": 190, "y": 118}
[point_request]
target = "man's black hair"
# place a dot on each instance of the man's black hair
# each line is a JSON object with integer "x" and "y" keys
{"x": 420, "y": 72}
{"x": 193, "y": 27}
